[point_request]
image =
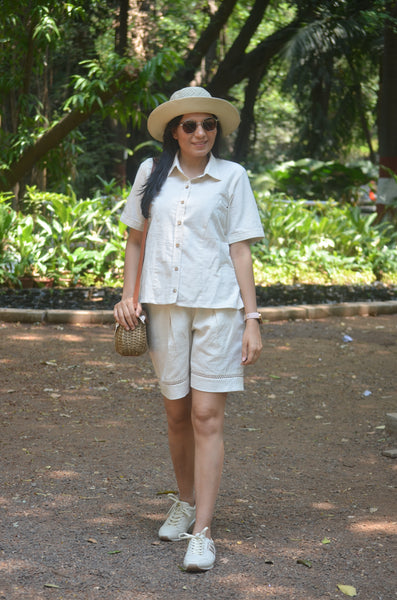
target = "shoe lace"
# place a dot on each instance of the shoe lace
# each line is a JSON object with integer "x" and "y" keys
{"x": 196, "y": 544}
{"x": 177, "y": 510}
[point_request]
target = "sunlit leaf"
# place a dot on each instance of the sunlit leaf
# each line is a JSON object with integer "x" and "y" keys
{"x": 305, "y": 562}
{"x": 348, "y": 590}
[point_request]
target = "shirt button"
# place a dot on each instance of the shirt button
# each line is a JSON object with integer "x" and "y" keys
{"x": 174, "y": 291}
{"x": 179, "y": 223}
{"x": 182, "y": 202}
{"x": 176, "y": 269}
{"x": 187, "y": 186}
{"x": 177, "y": 245}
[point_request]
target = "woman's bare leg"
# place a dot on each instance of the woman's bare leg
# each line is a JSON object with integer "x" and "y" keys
{"x": 181, "y": 443}
{"x": 207, "y": 418}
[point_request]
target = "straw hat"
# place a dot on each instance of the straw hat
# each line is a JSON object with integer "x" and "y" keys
{"x": 192, "y": 100}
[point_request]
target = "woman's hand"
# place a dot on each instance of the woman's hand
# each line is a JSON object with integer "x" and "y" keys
{"x": 252, "y": 342}
{"x": 126, "y": 314}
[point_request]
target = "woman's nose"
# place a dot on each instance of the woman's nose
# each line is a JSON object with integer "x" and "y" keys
{"x": 200, "y": 131}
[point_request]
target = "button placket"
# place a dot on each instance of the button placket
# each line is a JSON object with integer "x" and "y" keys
{"x": 178, "y": 238}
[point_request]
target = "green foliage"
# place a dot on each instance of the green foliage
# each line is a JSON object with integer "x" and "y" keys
{"x": 42, "y": 43}
{"x": 318, "y": 180}
{"x": 317, "y": 94}
{"x": 175, "y": 24}
{"x": 65, "y": 239}
{"x": 59, "y": 57}
{"x": 7, "y": 224}
{"x": 82, "y": 241}
{"x": 322, "y": 242}
{"x": 333, "y": 61}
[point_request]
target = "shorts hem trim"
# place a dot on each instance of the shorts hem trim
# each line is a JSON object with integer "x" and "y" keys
{"x": 217, "y": 384}
{"x": 202, "y": 384}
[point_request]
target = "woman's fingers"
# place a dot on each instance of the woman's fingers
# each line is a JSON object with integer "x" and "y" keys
{"x": 252, "y": 344}
{"x": 126, "y": 314}
{"x": 250, "y": 356}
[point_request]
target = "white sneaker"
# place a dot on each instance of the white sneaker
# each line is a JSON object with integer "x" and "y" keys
{"x": 200, "y": 555}
{"x": 180, "y": 518}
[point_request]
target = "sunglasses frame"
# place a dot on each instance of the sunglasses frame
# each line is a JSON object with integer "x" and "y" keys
{"x": 197, "y": 123}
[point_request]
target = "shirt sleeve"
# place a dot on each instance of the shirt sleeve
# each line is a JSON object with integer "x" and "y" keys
{"x": 244, "y": 223}
{"x": 132, "y": 214}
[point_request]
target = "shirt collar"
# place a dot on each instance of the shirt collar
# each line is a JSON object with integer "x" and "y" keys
{"x": 211, "y": 169}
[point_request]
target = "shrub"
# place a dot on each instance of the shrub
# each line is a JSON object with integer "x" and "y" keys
{"x": 82, "y": 241}
{"x": 318, "y": 180}
{"x": 322, "y": 242}
{"x": 67, "y": 239}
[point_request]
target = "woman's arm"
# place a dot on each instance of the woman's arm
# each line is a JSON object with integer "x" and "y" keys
{"x": 240, "y": 253}
{"x": 124, "y": 311}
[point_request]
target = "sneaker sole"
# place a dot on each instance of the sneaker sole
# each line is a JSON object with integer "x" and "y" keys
{"x": 164, "y": 538}
{"x": 197, "y": 569}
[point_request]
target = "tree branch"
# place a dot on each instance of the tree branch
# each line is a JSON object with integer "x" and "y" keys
{"x": 203, "y": 44}
{"x": 54, "y": 136}
{"x": 250, "y": 26}
{"x": 231, "y": 72}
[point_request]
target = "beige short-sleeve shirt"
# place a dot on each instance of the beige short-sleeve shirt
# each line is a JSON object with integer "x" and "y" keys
{"x": 191, "y": 225}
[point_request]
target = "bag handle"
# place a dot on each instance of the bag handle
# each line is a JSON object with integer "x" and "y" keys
{"x": 135, "y": 295}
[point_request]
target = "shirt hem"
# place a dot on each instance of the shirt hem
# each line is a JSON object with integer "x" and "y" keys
{"x": 210, "y": 306}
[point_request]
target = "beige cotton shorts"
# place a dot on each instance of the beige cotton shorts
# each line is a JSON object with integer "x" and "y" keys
{"x": 197, "y": 348}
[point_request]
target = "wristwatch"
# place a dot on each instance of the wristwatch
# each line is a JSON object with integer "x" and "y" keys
{"x": 254, "y": 315}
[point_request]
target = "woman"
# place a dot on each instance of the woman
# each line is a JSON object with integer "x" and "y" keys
{"x": 198, "y": 292}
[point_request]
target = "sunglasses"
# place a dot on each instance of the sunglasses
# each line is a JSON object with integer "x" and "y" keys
{"x": 190, "y": 126}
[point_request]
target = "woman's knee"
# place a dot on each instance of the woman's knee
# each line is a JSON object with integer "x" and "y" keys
{"x": 208, "y": 411}
{"x": 178, "y": 413}
{"x": 207, "y": 421}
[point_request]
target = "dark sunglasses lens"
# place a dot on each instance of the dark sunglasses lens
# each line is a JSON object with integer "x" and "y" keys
{"x": 189, "y": 126}
{"x": 209, "y": 124}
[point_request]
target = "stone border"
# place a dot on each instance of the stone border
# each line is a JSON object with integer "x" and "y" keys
{"x": 269, "y": 313}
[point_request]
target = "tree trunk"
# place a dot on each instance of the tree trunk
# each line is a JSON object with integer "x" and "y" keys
{"x": 28, "y": 58}
{"x": 242, "y": 143}
{"x": 319, "y": 117}
{"x": 387, "y": 128}
{"x": 140, "y": 42}
{"x": 118, "y": 131}
{"x": 122, "y": 28}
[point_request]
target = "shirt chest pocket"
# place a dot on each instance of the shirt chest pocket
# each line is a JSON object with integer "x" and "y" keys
{"x": 208, "y": 217}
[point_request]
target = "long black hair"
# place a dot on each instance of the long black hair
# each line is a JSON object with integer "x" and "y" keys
{"x": 163, "y": 163}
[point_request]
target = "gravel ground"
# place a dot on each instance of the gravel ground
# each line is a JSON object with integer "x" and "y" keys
{"x": 307, "y": 501}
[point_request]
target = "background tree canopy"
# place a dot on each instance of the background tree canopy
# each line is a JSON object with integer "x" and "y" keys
{"x": 78, "y": 79}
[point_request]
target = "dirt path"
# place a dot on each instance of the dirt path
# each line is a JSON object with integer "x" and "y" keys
{"x": 85, "y": 460}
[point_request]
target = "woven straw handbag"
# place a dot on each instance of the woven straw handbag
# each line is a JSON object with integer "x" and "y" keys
{"x": 133, "y": 342}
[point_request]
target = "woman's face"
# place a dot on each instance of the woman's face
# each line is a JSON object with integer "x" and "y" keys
{"x": 198, "y": 144}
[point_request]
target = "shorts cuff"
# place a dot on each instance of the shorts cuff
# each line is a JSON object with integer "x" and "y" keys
{"x": 175, "y": 391}
{"x": 217, "y": 384}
